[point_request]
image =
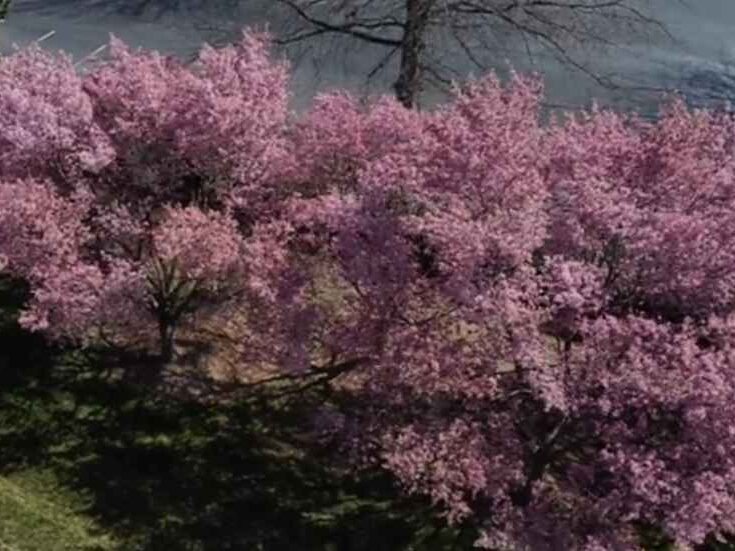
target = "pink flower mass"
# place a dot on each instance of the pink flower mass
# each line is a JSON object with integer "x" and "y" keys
{"x": 539, "y": 320}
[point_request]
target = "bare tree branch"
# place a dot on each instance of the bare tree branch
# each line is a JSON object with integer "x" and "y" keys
{"x": 413, "y": 28}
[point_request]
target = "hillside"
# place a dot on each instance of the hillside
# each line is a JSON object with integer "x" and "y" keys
{"x": 37, "y": 513}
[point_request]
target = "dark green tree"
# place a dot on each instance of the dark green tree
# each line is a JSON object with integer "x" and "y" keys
{"x": 4, "y": 8}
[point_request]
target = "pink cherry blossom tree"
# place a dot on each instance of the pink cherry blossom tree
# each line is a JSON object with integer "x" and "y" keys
{"x": 538, "y": 318}
{"x": 130, "y": 192}
{"x": 533, "y": 326}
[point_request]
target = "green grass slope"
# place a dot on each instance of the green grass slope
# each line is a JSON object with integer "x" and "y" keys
{"x": 37, "y": 514}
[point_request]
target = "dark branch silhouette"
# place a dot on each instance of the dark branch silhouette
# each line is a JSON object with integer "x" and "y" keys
{"x": 420, "y": 32}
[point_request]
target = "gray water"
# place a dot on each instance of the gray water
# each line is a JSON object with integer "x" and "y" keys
{"x": 698, "y": 59}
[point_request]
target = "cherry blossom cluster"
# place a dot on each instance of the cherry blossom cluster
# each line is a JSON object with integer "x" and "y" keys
{"x": 535, "y": 324}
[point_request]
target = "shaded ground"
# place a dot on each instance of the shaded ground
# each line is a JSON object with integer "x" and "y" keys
{"x": 92, "y": 462}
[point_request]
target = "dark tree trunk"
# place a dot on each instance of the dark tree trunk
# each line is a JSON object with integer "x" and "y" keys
{"x": 166, "y": 332}
{"x": 408, "y": 85}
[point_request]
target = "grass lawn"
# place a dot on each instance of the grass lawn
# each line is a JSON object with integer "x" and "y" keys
{"x": 36, "y": 512}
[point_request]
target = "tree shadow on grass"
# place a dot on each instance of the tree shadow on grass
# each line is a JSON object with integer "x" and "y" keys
{"x": 166, "y": 474}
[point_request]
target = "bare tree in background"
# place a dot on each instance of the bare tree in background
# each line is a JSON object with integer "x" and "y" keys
{"x": 417, "y": 33}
